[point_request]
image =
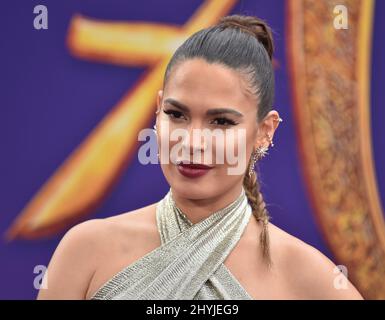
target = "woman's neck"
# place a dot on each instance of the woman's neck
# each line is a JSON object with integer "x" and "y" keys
{"x": 197, "y": 210}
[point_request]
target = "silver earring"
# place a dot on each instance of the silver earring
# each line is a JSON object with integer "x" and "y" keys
{"x": 253, "y": 161}
{"x": 257, "y": 155}
{"x": 261, "y": 152}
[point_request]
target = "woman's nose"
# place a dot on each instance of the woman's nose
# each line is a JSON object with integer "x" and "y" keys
{"x": 195, "y": 139}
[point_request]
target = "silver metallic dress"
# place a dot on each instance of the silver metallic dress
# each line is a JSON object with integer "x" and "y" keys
{"x": 189, "y": 263}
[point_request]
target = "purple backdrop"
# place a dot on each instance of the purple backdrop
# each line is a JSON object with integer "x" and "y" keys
{"x": 50, "y": 101}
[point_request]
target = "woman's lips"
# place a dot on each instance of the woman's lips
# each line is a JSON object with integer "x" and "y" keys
{"x": 193, "y": 170}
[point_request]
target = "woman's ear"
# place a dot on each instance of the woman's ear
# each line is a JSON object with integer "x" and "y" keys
{"x": 159, "y": 100}
{"x": 267, "y": 128}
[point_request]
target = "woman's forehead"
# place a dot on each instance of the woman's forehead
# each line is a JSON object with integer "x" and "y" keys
{"x": 196, "y": 81}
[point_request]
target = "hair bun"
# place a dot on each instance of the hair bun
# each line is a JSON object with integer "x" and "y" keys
{"x": 253, "y": 25}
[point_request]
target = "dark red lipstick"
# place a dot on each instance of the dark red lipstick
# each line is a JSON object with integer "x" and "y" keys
{"x": 192, "y": 170}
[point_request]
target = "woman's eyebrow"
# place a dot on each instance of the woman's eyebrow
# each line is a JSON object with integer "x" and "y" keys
{"x": 216, "y": 111}
{"x": 209, "y": 112}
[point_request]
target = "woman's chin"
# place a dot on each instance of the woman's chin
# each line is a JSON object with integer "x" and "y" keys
{"x": 194, "y": 191}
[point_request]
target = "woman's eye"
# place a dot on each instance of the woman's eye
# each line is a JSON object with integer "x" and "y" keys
{"x": 224, "y": 122}
{"x": 173, "y": 114}
{"x": 218, "y": 121}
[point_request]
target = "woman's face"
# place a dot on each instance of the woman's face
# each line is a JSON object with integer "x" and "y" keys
{"x": 192, "y": 98}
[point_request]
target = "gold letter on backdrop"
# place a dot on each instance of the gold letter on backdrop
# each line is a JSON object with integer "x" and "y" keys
{"x": 82, "y": 182}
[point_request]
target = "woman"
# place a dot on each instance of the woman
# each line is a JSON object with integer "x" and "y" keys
{"x": 210, "y": 236}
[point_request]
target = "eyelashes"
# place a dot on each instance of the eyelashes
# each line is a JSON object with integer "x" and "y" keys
{"x": 220, "y": 121}
{"x": 173, "y": 113}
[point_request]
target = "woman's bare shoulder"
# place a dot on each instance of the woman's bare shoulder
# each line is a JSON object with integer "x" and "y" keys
{"x": 308, "y": 272}
{"x": 143, "y": 215}
{"x": 86, "y": 246}
{"x": 107, "y": 230}
{"x": 71, "y": 266}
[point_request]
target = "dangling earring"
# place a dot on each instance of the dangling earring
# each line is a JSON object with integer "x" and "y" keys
{"x": 259, "y": 153}
{"x": 253, "y": 161}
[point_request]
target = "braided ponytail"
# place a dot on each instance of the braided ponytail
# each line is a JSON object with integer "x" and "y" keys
{"x": 258, "y": 205}
{"x": 262, "y": 32}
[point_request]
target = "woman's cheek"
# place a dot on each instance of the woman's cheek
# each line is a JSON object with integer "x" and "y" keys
{"x": 236, "y": 147}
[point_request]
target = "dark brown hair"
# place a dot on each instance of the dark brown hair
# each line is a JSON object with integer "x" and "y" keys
{"x": 245, "y": 44}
